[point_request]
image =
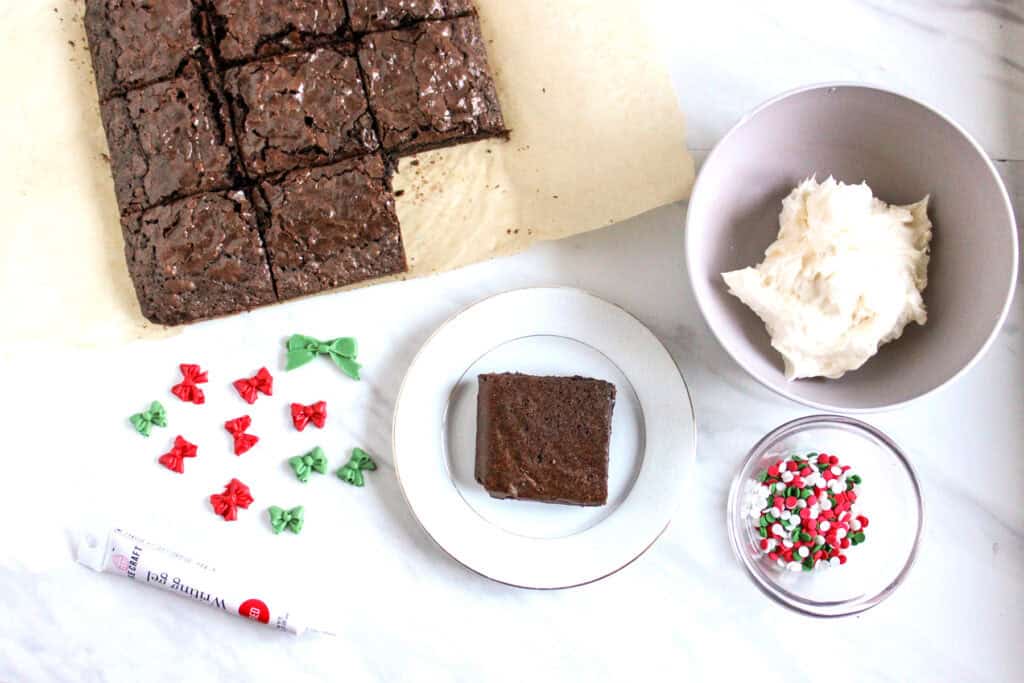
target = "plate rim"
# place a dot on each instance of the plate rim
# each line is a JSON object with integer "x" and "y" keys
{"x": 401, "y": 391}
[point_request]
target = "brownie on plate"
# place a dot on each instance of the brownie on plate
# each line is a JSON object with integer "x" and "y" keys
{"x": 332, "y": 226}
{"x": 544, "y": 438}
{"x": 299, "y": 109}
{"x": 382, "y": 15}
{"x": 137, "y": 42}
{"x": 246, "y": 29}
{"x": 429, "y": 85}
{"x": 198, "y": 257}
{"x": 168, "y": 140}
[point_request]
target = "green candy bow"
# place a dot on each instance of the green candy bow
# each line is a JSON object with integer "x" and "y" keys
{"x": 144, "y": 421}
{"x": 302, "y": 349}
{"x": 304, "y": 465}
{"x": 352, "y": 471}
{"x": 281, "y": 519}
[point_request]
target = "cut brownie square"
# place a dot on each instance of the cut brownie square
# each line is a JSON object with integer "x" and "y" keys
{"x": 137, "y": 42}
{"x": 198, "y": 257}
{"x": 332, "y": 226}
{"x": 168, "y": 140}
{"x": 429, "y": 85}
{"x": 544, "y": 438}
{"x": 246, "y": 29}
{"x": 299, "y": 109}
{"x": 383, "y": 15}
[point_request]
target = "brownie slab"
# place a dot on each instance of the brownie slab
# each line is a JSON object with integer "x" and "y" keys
{"x": 429, "y": 85}
{"x": 332, "y": 226}
{"x": 544, "y": 438}
{"x": 246, "y": 29}
{"x": 383, "y": 15}
{"x": 137, "y": 42}
{"x": 168, "y": 140}
{"x": 198, "y": 257}
{"x": 299, "y": 109}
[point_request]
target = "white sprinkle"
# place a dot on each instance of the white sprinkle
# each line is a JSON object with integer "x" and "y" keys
{"x": 833, "y": 561}
{"x": 824, "y": 526}
{"x": 801, "y": 503}
{"x": 855, "y": 525}
{"x": 813, "y": 514}
{"x": 771, "y": 544}
{"x": 803, "y": 551}
{"x": 840, "y": 532}
{"x": 777, "y": 512}
{"x": 837, "y": 486}
{"x": 780, "y": 487}
{"x": 786, "y": 543}
{"x": 787, "y": 476}
{"x": 825, "y": 504}
{"x": 836, "y": 470}
{"x": 793, "y": 566}
{"x": 819, "y": 540}
{"x": 786, "y": 514}
{"x": 777, "y": 529}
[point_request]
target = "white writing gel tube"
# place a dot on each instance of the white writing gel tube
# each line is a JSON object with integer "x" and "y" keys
{"x": 128, "y": 555}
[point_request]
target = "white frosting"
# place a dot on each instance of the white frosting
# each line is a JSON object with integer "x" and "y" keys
{"x": 843, "y": 277}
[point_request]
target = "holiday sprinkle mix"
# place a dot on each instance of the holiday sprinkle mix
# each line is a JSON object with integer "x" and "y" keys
{"x": 803, "y": 510}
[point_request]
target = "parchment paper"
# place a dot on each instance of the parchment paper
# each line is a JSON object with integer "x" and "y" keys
{"x": 597, "y": 137}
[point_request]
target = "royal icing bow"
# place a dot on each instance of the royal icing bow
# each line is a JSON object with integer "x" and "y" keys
{"x": 303, "y": 415}
{"x": 236, "y": 495}
{"x": 154, "y": 415}
{"x": 302, "y": 349}
{"x": 186, "y": 389}
{"x": 236, "y": 428}
{"x": 304, "y": 465}
{"x": 250, "y": 388}
{"x": 174, "y": 459}
{"x": 352, "y": 471}
{"x": 281, "y": 519}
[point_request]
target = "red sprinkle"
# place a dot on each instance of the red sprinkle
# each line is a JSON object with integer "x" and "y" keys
{"x": 791, "y": 502}
{"x": 186, "y": 389}
{"x": 236, "y": 428}
{"x": 822, "y": 459}
{"x": 303, "y": 415}
{"x": 773, "y": 471}
{"x": 833, "y": 460}
{"x": 174, "y": 459}
{"x": 236, "y": 495}
{"x": 249, "y": 388}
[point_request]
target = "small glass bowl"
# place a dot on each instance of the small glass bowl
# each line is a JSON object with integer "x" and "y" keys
{"x": 889, "y": 496}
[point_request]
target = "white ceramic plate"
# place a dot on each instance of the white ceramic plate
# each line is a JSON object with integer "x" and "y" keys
{"x": 548, "y": 331}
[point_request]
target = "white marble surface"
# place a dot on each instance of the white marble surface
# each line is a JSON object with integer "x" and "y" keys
{"x": 403, "y": 610}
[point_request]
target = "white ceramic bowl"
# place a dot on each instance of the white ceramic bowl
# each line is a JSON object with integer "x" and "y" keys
{"x": 904, "y": 150}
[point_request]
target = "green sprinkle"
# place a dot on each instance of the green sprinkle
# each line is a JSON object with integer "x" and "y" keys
{"x": 281, "y": 519}
{"x": 806, "y": 493}
{"x": 818, "y": 547}
{"x": 812, "y": 455}
{"x": 144, "y": 421}
{"x": 823, "y": 467}
{"x": 763, "y": 521}
{"x": 302, "y": 349}
{"x": 804, "y": 536}
{"x": 796, "y": 534}
{"x": 856, "y": 479}
{"x": 352, "y": 471}
{"x": 808, "y": 564}
{"x": 858, "y": 537}
{"x": 763, "y": 477}
{"x": 770, "y": 517}
{"x": 762, "y": 532}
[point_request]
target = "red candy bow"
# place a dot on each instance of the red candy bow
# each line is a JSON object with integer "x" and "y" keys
{"x": 236, "y": 495}
{"x": 303, "y": 415}
{"x": 260, "y": 383}
{"x": 174, "y": 459}
{"x": 236, "y": 428}
{"x": 187, "y": 390}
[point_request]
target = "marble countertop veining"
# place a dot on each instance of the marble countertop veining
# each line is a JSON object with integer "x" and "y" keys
{"x": 402, "y": 608}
